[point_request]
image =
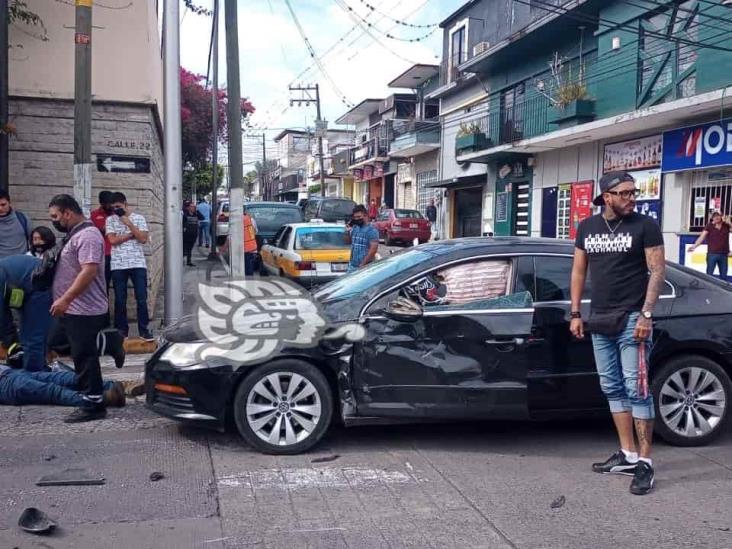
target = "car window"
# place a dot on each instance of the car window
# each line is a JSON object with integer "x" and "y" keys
{"x": 284, "y": 238}
{"x": 225, "y": 207}
{"x": 408, "y": 214}
{"x": 277, "y": 236}
{"x": 466, "y": 283}
{"x": 320, "y": 238}
{"x": 372, "y": 275}
{"x": 547, "y": 278}
{"x": 383, "y": 216}
{"x": 270, "y": 218}
{"x": 311, "y": 208}
{"x": 340, "y": 208}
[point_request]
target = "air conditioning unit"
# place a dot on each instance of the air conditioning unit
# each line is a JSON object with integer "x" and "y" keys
{"x": 481, "y": 47}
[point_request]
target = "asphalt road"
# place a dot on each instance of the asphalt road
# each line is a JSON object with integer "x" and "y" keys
{"x": 425, "y": 486}
{"x": 472, "y": 485}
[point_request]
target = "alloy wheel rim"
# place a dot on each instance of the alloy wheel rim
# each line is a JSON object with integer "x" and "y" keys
{"x": 692, "y": 402}
{"x": 283, "y": 408}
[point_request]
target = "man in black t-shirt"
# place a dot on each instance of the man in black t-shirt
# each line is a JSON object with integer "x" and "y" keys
{"x": 621, "y": 247}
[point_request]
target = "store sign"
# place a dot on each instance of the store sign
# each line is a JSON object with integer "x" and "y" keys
{"x": 404, "y": 173}
{"x": 651, "y": 208}
{"x": 703, "y": 146}
{"x": 648, "y": 183}
{"x": 361, "y": 153}
{"x": 368, "y": 172}
{"x": 638, "y": 154}
{"x": 581, "y": 204}
{"x": 358, "y": 174}
{"x": 378, "y": 169}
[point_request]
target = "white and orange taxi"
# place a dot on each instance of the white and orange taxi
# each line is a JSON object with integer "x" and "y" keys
{"x": 309, "y": 253}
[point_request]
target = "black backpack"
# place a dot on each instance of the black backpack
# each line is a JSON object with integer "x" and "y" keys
{"x": 42, "y": 276}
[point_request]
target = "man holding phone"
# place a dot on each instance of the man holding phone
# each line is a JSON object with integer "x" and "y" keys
{"x": 127, "y": 233}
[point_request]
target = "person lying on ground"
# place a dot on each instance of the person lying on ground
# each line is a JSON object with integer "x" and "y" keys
{"x": 20, "y": 387}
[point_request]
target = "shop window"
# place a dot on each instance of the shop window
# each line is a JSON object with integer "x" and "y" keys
{"x": 710, "y": 190}
{"x": 564, "y": 201}
{"x": 425, "y": 193}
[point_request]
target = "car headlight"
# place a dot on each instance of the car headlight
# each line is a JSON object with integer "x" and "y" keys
{"x": 182, "y": 354}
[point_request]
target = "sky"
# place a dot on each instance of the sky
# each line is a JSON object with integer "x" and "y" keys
{"x": 273, "y": 54}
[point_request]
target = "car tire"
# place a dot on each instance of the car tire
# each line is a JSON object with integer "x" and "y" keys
{"x": 307, "y": 428}
{"x": 695, "y": 420}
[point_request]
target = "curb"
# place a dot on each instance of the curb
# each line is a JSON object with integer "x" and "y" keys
{"x": 133, "y": 346}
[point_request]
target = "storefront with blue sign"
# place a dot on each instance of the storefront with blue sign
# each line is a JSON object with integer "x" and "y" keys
{"x": 697, "y": 173}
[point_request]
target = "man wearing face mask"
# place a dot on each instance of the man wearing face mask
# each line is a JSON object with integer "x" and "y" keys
{"x": 99, "y": 218}
{"x": 363, "y": 238}
{"x": 80, "y": 300}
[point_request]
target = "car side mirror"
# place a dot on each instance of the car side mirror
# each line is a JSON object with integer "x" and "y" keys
{"x": 403, "y": 310}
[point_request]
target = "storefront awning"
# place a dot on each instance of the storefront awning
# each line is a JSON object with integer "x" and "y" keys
{"x": 470, "y": 181}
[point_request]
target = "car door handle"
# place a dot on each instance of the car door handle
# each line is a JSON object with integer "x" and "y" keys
{"x": 513, "y": 341}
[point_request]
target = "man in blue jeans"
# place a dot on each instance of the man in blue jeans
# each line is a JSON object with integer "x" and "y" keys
{"x": 127, "y": 232}
{"x": 204, "y": 226}
{"x": 34, "y": 307}
{"x": 20, "y": 388}
{"x": 621, "y": 247}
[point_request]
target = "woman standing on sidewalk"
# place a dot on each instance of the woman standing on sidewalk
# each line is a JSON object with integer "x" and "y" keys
{"x": 191, "y": 222}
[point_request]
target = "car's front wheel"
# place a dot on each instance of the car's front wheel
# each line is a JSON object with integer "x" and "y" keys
{"x": 692, "y": 398}
{"x": 283, "y": 408}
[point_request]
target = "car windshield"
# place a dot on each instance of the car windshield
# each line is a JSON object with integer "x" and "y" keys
{"x": 320, "y": 238}
{"x": 225, "y": 207}
{"x": 340, "y": 208}
{"x": 270, "y": 218}
{"x": 407, "y": 214}
{"x": 361, "y": 280}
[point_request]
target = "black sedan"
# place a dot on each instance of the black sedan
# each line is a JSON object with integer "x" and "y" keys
{"x": 465, "y": 329}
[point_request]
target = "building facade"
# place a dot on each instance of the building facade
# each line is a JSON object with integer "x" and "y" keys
{"x": 600, "y": 86}
{"x": 126, "y": 114}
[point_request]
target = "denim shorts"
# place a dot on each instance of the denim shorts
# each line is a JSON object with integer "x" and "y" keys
{"x": 617, "y": 365}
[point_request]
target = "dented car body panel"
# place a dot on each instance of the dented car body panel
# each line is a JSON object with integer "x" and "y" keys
{"x": 513, "y": 362}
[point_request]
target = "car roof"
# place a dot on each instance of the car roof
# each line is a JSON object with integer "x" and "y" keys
{"x": 502, "y": 244}
{"x": 341, "y": 198}
{"x": 272, "y": 204}
{"x": 314, "y": 225}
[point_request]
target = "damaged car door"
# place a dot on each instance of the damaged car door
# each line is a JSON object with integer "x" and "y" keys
{"x": 457, "y": 351}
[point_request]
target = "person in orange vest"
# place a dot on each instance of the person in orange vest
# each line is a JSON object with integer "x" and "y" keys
{"x": 250, "y": 244}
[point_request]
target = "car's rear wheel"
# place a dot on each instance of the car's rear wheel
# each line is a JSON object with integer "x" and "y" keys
{"x": 283, "y": 408}
{"x": 692, "y": 396}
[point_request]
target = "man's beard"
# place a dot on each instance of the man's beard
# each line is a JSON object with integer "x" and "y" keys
{"x": 620, "y": 212}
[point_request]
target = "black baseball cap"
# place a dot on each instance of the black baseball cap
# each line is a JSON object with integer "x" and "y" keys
{"x": 610, "y": 180}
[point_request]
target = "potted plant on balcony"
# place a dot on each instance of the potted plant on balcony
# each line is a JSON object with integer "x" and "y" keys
{"x": 570, "y": 103}
{"x": 470, "y": 138}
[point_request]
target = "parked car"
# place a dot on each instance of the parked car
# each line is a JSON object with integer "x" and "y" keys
{"x": 222, "y": 221}
{"x": 329, "y": 209}
{"x": 402, "y": 226}
{"x": 270, "y": 217}
{"x": 309, "y": 253}
{"x": 473, "y": 328}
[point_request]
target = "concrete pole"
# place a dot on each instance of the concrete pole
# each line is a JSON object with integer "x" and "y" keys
{"x": 213, "y": 255}
{"x": 321, "y": 160}
{"x": 173, "y": 164}
{"x": 83, "y": 105}
{"x": 4, "y": 109}
{"x": 236, "y": 176}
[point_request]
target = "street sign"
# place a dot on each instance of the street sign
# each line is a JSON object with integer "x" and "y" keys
{"x": 123, "y": 164}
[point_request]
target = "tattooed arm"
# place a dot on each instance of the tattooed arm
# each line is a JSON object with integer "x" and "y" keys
{"x": 656, "y": 262}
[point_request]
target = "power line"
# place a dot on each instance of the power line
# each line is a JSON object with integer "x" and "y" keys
{"x": 397, "y": 21}
{"x": 388, "y": 34}
{"x": 310, "y": 48}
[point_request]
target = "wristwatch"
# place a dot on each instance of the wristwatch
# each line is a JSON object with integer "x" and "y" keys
{"x": 648, "y": 315}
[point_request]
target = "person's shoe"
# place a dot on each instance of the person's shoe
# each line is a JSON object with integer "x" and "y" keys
{"x": 616, "y": 464}
{"x": 146, "y": 335}
{"x": 642, "y": 482}
{"x": 80, "y": 415}
{"x": 115, "y": 397}
{"x": 189, "y": 264}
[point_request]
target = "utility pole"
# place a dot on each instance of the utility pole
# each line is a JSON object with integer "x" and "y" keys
{"x": 236, "y": 177}
{"x": 82, "y": 105}
{"x": 173, "y": 164}
{"x": 4, "y": 109}
{"x": 321, "y": 126}
{"x": 213, "y": 255}
{"x": 265, "y": 169}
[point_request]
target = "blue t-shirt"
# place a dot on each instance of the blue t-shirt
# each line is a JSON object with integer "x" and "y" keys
{"x": 204, "y": 208}
{"x": 361, "y": 239}
{"x": 16, "y": 270}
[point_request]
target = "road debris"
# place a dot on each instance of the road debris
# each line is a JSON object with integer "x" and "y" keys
{"x": 71, "y": 477}
{"x": 559, "y": 502}
{"x": 156, "y": 476}
{"x": 325, "y": 459}
{"x": 35, "y": 521}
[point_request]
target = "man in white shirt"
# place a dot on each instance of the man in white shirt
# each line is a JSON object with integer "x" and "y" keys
{"x": 128, "y": 232}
